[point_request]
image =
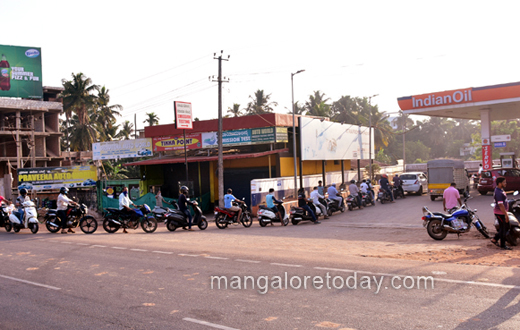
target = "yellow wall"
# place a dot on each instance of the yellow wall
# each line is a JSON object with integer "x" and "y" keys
{"x": 250, "y": 162}
{"x": 309, "y": 166}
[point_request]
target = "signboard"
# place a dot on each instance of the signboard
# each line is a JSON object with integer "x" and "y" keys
{"x": 500, "y": 138}
{"x": 281, "y": 134}
{"x": 168, "y": 143}
{"x": 487, "y": 162}
{"x": 41, "y": 178}
{"x": 21, "y": 72}
{"x": 500, "y": 144}
{"x": 229, "y": 138}
{"x": 183, "y": 115}
{"x": 333, "y": 141}
{"x": 122, "y": 149}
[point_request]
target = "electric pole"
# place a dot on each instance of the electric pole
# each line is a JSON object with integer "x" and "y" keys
{"x": 220, "y": 163}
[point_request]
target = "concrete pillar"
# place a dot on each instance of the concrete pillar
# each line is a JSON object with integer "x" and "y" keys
{"x": 485, "y": 122}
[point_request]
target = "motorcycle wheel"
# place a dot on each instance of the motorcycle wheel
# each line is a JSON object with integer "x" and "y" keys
{"x": 16, "y": 229}
{"x": 435, "y": 231}
{"x": 34, "y": 227}
{"x": 51, "y": 228}
{"x": 329, "y": 211}
{"x": 220, "y": 225}
{"x": 203, "y": 224}
{"x": 8, "y": 227}
{"x": 110, "y": 227}
{"x": 295, "y": 222}
{"x": 285, "y": 221}
{"x": 170, "y": 226}
{"x": 149, "y": 225}
{"x": 350, "y": 208}
{"x": 88, "y": 224}
{"x": 247, "y": 221}
{"x": 382, "y": 200}
{"x": 364, "y": 204}
{"x": 262, "y": 224}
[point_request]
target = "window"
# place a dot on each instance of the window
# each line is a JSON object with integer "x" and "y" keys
{"x": 409, "y": 177}
{"x": 486, "y": 174}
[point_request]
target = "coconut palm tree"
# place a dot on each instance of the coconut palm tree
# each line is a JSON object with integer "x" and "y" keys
{"x": 260, "y": 103}
{"x": 235, "y": 110}
{"x": 317, "y": 105}
{"x": 152, "y": 119}
{"x": 126, "y": 130}
{"x": 106, "y": 113}
{"x": 82, "y": 135}
{"x": 346, "y": 110}
{"x": 383, "y": 132}
{"x": 78, "y": 97}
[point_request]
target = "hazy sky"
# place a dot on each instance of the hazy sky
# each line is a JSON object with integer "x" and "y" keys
{"x": 151, "y": 53}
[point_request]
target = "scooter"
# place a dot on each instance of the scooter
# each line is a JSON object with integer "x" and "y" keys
{"x": 513, "y": 234}
{"x": 29, "y": 221}
{"x": 353, "y": 202}
{"x": 334, "y": 206}
{"x": 383, "y": 196}
{"x": 223, "y": 217}
{"x": 177, "y": 218}
{"x": 4, "y": 218}
{"x": 159, "y": 212}
{"x": 267, "y": 216}
{"x": 298, "y": 214}
{"x": 398, "y": 193}
{"x": 367, "y": 199}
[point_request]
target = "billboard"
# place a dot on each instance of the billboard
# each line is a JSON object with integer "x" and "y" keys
{"x": 21, "y": 72}
{"x": 333, "y": 141}
{"x": 229, "y": 138}
{"x": 167, "y": 143}
{"x": 41, "y": 178}
{"x": 183, "y": 115}
{"x": 122, "y": 149}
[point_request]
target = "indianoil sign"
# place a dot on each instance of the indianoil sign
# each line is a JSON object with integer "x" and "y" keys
{"x": 436, "y": 99}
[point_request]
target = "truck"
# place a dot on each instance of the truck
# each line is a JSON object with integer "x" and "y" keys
{"x": 442, "y": 172}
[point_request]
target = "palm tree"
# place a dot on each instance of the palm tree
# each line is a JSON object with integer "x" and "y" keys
{"x": 126, "y": 130}
{"x": 78, "y": 97}
{"x": 383, "y": 132}
{"x": 82, "y": 135}
{"x": 106, "y": 114}
{"x": 346, "y": 110}
{"x": 152, "y": 119}
{"x": 260, "y": 103}
{"x": 402, "y": 119}
{"x": 317, "y": 105}
{"x": 235, "y": 110}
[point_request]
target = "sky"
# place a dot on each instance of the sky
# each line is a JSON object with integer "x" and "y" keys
{"x": 152, "y": 53}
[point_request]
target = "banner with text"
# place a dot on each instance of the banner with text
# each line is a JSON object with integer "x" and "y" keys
{"x": 41, "y": 178}
{"x": 168, "y": 143}
{"x": 21, "y": 72}
{"x": 122, "y": 149}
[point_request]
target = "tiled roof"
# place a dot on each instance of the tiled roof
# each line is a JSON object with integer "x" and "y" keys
{"x": 18, "y": 104}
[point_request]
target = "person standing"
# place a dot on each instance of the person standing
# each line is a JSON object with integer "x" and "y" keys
{"x": 63, "y": 204}
{"x": 315, "y": 196}
{"x": 302, "y": 202}
{"x": 450, "y": 197}
{"x": 124, "y": 205}
{"x": 228, "y": 203}
{"x": 321, "y": 188}
{"x": 183, "y": 205}
{"x": 354, "y": 192}
{"x": 500, "y": 211}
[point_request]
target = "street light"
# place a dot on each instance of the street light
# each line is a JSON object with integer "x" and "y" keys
{"x": 294, "y": 134}
{"x": 370, "y": 135}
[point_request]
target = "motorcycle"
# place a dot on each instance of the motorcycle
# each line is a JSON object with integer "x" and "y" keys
{"x": 76, "y": 216}
{"x": 460, "y": 221}
{"x": 29, "y": 221}
{"x": 383, "y": 196}
{"x": 298, "y": 214}
{"x": 353, "y": 202}
{"x": 177, "y": 218}
{"x": 398, "y": 193}
{"x": 513, "y": 234}
{"x": 367, "y": 199}
{"x": 115, "y": 219}
{"x": 4, "y": 218}
{"x": 266, "y": 215}
{"x": 223, "y": 217}
{"x": 334, "y": 206}
{"x": 160, "y": 212}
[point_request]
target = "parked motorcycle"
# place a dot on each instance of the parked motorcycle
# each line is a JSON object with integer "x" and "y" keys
{"x": 267, "y": 216}
{"x": 298, "y": 214}
{"x": 223, "y": 217}
{"x": 76, "y": 216}
{"x": 460, "y": 221}
{"x": 177, "y": 218}
{"x": 334, "y": 206}
{"x": 29, "y": 220}
{"x": 115, "y": 219}
{"x": 383, "y": 196}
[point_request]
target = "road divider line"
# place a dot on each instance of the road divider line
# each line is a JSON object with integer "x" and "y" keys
{"x": 118, "y": 248}
{"x": 98, "y": 246}
{"x": 212, "y": 325}
{"x": 188, "y": 255}
{"x": 446, "y": 280}
{"x": 163, "y": 252}
{"x": 218, "y": 258}
{"x": 284, "y": 265}
{"x": 250, "y": 261}
{"x": 29, "y": 282}
{"x": 66, "y": 242}
{"x": 82, "y": 244}
{"x": 139, "y": 250}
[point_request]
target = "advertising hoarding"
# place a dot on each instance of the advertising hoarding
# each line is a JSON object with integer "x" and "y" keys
{"x": 41, "y": 178}
{"x": 229, "y": 138}
{"x": 168, "y": 143}
{"x": 20, "y": 72}
{"x": 333, "y": 141}
{"x": 122, "y": 149}
{"x": 183, "y": 115}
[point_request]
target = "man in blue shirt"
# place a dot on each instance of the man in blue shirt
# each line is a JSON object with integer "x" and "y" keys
{"x": 334, "y": 194}
{"x": 228, "y": 203}
{"x": 270, "y": 200}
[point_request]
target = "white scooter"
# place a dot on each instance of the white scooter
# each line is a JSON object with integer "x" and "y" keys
{"x": 267, "y": 216}
{"x": 29, "y": 221}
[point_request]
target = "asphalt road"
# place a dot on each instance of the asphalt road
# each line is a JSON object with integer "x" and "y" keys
{"x": 163, "y": 280}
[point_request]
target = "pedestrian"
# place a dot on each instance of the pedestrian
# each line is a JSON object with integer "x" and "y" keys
{"x": 302, "y": 202}
{"x": 321, "y": 188}
{"x": 500, "y": 211}
{"x": 450, "y": 197}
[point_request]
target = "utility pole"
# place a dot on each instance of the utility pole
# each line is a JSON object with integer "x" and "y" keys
{"x": 404, "y": 145}
{"x": 294, "y": 135}
{"x": 135, "y": 126}
{"x": 220, "y": 163}
{"x": 370, "y": 135}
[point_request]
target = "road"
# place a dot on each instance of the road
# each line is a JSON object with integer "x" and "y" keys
{"x": 163, "y": 280}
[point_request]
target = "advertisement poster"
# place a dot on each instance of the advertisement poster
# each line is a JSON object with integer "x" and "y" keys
{"x": 41, "y": 178}
{"x": 20, "y": 72}
{"x": 122, "y": 149}
{"x": 281, "y": 134}
{"x": 183, "y": 115}
{"x": 167, "y": 143}
{"x": 229, "y": 138}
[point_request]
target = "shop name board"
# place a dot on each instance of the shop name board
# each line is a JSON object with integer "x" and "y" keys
{"x": 168, "y": 143}
{"x": 460, "y": 96}
{"x": 56, "y": 177}
{"x": 183, "y": 115}
{"x": 122, "y": 149}
{"x": 262, "y": 135}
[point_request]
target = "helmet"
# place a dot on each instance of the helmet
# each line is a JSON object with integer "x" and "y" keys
{"x": 64, "y": 190}
{"x": 184, "y": 189}
{"x": 384, "y": 176}
{"x": 23, "y": 191}
{"x": 334, "y": 185}
{"x": 352, "y": 181}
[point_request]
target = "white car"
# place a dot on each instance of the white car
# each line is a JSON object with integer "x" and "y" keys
{"x": 414, "y": 182}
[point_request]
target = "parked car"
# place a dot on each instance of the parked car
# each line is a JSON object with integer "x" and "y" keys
{"x": 414, "y": 182}
{"x": 488, "y": 177}
{"x": 89, "y": 182}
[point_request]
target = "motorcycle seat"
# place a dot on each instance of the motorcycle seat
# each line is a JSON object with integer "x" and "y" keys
{"x": 113, "y": 209}
{"x": 263, "y": 207}
{"x": 444, "y": 215}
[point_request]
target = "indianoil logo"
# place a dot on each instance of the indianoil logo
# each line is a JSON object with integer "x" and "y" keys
{"x": 459, "y": 96}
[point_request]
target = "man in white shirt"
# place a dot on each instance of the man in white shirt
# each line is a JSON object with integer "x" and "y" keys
{"x": 315, "y": 196}
{"x": 365, "y": 189}
{"x": 124, "y": 204}
{"x": 63, "y": 204}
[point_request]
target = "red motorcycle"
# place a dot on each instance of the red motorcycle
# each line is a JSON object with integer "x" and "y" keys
{"x": 223, "y": 217}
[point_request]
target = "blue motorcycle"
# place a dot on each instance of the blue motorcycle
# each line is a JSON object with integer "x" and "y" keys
{"x": 459, "y": 221}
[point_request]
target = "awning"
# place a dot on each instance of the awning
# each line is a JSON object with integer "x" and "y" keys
{"x": 176, "y": 160}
